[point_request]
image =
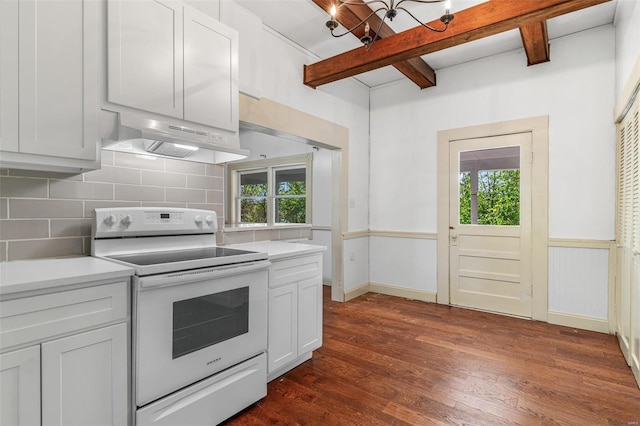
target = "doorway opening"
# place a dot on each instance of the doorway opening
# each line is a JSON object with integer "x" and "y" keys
{"x": 275, "y": 119}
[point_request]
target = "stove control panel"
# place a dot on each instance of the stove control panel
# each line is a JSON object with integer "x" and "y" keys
{"x": 140, "y": 221}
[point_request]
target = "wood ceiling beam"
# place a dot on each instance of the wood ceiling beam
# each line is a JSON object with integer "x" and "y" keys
{"x": 415, "y": 69}
{"x": 486, "y": 19}
{"x": 535, "y": 40}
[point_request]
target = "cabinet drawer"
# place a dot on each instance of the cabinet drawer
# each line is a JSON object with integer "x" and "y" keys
{"x": 294, "y": 270}
{"x": 40, "y": 317}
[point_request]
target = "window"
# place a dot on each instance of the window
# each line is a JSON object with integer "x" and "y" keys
{"x": 489, "y": 187}
{"x": 270, "y": 192}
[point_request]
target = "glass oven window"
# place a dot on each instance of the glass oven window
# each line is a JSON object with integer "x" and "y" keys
{"x": 210, "y": 319}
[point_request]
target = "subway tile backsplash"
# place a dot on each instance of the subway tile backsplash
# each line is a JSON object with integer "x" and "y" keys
{"x": 45, "y": 214}
{"x": 48, "y": 214}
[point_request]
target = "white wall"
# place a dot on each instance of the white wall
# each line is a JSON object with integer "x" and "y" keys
{"x": 576, "y": 90}
{"x": 627, "y": 23}
{"x": 345, "y": 103}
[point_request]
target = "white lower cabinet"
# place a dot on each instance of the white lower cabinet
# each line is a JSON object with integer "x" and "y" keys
{"x": 74, "y": 368}
{"x": 295, "y": 312}
{"x": 310, "y": 317}
{"x": 283, "y": 329}
{"x": 84, "y": 378}
{"x": 20, "y": 387}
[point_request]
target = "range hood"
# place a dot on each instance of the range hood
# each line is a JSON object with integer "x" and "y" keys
{"x": 137, "y": 134}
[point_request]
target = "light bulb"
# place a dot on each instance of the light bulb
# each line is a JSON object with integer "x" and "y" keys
{"x": 447, "y": 5}
{"x": 333, "y": 11}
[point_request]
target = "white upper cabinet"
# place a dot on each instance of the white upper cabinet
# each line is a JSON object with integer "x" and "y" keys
{"x": 168, "y": 58}
{"x": 210, "y": 71}
{"x": 49, "y": 80}
{"x": 145, "y": 55}
{"x": 249, "y": 27}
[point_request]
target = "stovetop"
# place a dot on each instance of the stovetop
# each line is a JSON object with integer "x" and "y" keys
{"x": 161, "y": 257}
{"x": 158, "y": 240}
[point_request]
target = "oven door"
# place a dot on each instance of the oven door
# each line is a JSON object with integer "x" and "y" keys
{"x": 189, "y": 325}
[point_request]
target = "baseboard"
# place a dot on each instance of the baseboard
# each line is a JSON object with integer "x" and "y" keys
{"x": 579, "y": 321}
{"x": 358, "y": 291}
{"x": 635, "y": 367}
{"x": 407, "y": 293}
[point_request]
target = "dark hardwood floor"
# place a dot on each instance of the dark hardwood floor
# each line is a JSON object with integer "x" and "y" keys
{"x": 391, "y": 361}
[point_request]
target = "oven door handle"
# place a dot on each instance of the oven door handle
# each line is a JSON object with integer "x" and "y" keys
{"x": 182, "y": 277}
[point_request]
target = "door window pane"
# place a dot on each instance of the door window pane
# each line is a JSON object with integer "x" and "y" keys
{"x": 489, "y": 187}
{"x": 207, "y": 320}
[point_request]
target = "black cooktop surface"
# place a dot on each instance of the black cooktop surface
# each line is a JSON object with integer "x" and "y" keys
{"x": 159, "y": 257}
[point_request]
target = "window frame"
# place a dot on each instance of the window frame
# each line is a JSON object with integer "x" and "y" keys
{"x": 271, "y": 166}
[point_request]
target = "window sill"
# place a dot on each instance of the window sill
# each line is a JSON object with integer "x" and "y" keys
{"x": 263, "y": 227}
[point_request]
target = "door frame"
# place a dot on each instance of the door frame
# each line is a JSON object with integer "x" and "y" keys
{"x": 539, "y": 129}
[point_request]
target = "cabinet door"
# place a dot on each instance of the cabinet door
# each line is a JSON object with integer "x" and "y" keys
{"x": 20, "y": 387}
{"x": 282, "y": 344}
{"x": 144, "y": 49}
{"x": 9, "y": 75}
{"x": 210, "y": 71}
{"x": 84, "y": 378}
{"x": 309, "y": 315}
{"x": 58, "y": 85}
{"x": 249, "y": 27}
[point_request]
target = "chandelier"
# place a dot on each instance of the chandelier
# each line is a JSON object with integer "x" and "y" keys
{"x": 390, "y": 10}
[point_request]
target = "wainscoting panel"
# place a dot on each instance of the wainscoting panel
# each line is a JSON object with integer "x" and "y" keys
{"x": 579, "y": 282}
{"x": 408, "y": 263}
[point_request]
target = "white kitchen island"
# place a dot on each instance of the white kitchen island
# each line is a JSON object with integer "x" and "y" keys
{"x": 295, "y": 303}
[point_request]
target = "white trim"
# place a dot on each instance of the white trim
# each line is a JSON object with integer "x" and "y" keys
{"x": 579, "y": 321}
{"x": 355, "y": 234}
{"x": 321, "y": 228}
{"x": 580, "y": 243}
{"x": 356, "y": 292}
{"x": 390, "y": 234}
{"x": 407, "y": 293}
{"x": 391, "y": 290}
{"x": 402, "y": 234}
{"x": 629, "y": 93}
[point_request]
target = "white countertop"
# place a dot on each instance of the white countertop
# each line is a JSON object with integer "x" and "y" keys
{"x": 279, "y": 249}
{"x": 46, "y": 274}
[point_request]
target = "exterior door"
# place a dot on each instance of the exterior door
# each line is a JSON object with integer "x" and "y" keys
{"x": 490, "y": 223}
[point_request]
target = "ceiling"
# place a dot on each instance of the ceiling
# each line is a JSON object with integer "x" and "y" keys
{"x": 303, "y": 22}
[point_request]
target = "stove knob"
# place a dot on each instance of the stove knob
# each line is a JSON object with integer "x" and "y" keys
{"x": 198, "y": 220}
{"x": 209, "y": 220}
{"x": 109, "y": 220}
{"x": 127, "y": 220}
